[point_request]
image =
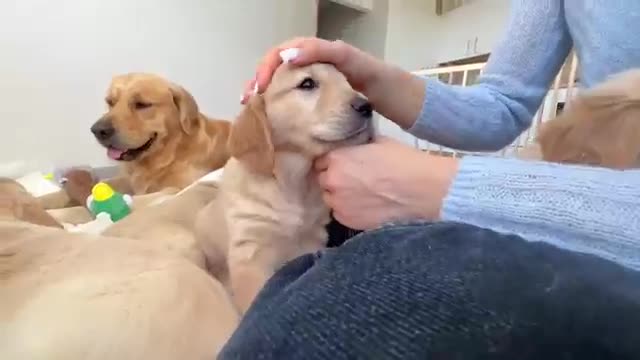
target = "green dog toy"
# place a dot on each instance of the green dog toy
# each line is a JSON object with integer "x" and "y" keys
{"x": 104, "y": 199}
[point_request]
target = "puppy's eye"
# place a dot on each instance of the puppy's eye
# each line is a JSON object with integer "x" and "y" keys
{"x": 307, "y": 84}
{"x": 109, "y": 102}
{"x": 141, "y": 105}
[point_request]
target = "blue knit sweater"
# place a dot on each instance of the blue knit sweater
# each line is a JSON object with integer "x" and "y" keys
{"x": 590, "y": 210}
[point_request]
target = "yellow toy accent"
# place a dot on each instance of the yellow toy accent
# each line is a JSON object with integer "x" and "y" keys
{"x": 48, "y": 176}
{"x": 101, "y": 191}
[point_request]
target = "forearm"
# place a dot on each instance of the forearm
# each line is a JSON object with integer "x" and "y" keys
{"x": 589, "y": 210}
{"x": 489, "y": 115}
{"x": 476, "y": 118}
{"x": 396, "y": 94}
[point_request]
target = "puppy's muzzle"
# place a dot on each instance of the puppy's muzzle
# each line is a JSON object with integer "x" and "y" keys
{"x": 103, "y": 129}
{"x": 362, "y": 107}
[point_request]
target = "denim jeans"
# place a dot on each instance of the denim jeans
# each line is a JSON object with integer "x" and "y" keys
{"x": 443, "y": 291}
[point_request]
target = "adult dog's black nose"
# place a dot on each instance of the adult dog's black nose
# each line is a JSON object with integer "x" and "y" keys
{"x": 362, "y": 106}
{"x": 103, "y": 129}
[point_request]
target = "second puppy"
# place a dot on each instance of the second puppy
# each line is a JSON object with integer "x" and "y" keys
{"x": 600, "y": 128}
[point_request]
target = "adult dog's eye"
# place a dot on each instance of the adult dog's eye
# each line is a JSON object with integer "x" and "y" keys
{"x": 140, "y": 105}
{"x": 307, "y": 84}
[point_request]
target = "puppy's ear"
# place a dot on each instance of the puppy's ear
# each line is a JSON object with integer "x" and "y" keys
{"x": 250, "y": 140}
{"x": 188, "y": 108}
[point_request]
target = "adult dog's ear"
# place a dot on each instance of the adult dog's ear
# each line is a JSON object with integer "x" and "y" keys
{"x": 187, "y": 107}
{"x": 250, "y": 140}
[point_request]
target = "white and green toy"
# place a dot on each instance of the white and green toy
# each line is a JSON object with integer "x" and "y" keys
{"x": 104, "y": 199}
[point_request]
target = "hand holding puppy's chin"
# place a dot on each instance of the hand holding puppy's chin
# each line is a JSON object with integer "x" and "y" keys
{"x": 385, "y": 181}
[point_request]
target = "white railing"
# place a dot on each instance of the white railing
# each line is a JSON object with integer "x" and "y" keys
{"x": 561, "y": 91}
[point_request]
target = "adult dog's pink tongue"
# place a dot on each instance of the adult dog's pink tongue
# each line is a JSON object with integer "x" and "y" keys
{"x": 114, "y": 154}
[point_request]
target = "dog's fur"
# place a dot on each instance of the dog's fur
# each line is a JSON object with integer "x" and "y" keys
{"x": 271, "y": 199}
{"x": 172, "y": 222}
{"x": 601, "y": 127}
{"x": 17, "y": 204}
{"x": 137, "y": 292}
{"x": 182, "y": 144}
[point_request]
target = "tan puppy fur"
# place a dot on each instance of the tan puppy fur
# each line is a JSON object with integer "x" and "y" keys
{"x": 154, "y": 128}
{"x": 17, "y": 204}
{"x": 76, "y": 297}
{"x": 170, "y": 223}
{"x": 79, "y": 214}
{"x": 140, "y": 293}
{"x": 212, "y": 237}
{"x": 271, "y": 199}
{"x": 601, "y": 127}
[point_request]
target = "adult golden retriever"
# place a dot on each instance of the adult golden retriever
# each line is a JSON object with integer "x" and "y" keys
{"x": 601, "y": 127}
{"x": 154, "y": 128}
{"x": 270, "y": 197}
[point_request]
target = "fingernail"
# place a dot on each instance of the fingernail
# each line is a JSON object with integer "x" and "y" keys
{"x": 241, "y": 98}
{"x": 255, "y": 88}
{"x": 289, "y": 55}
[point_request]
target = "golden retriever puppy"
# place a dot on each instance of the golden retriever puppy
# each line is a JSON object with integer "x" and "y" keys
{"x": 601, "y": 127}
{"x": 270, "y": 196}
{"x": 212, "y": 237}
{"x": 77, "y": 296}
{"x": 170, "y": 221}
{"x": 154, "y": 128}
{"x": 80, "y": 297}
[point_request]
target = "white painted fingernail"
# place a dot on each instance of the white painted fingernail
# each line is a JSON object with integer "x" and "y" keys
{"x": 255, "y": 88}
{"x": 289, "y": 54}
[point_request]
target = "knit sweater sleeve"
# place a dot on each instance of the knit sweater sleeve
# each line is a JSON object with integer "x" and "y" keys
{"x": 500, "y": 106}
{"x": 584, "y": 209}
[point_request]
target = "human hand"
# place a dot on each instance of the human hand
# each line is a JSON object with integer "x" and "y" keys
{"x": 394, "y": 93}
{"x": 372, "y": 184}
{"x": 359, "y": 67}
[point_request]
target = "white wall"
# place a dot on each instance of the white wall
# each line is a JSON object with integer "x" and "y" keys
{"x": 365, "y": 30}
{"x": 481, "y": 19}
{"x": 58, "y": 58}
{"x": 411, "y": 28}
{"x": 411, "y": 32}
{"x": 418, "y": 38}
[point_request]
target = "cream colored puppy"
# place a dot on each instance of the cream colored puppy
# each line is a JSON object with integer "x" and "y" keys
{"x": 138, "y": 292}
{"x": 270, "y": 197}
{"x": 76, "y": 297}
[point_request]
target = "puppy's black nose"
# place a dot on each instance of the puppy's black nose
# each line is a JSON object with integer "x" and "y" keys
{"x": 362, "y": 106}
{"x": 103, "y": 129}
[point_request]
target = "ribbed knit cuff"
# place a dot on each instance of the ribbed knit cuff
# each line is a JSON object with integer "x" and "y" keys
{"x": 591, "y": 210}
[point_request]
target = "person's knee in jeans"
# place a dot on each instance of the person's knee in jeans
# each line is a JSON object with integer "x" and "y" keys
{"x": 450, "y": 288}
